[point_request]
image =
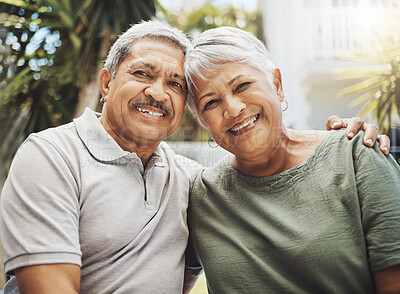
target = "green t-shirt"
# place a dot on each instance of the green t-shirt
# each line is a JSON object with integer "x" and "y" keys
{"x": 321, "y": 227}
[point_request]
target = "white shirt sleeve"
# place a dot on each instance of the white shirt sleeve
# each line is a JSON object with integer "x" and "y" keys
{"x": 39, "y": 221}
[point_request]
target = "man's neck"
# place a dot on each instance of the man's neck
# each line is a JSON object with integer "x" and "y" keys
{"x": 143, "y": 150}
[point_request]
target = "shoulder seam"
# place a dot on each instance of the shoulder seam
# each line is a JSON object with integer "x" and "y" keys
{"x": 56, "y": 148}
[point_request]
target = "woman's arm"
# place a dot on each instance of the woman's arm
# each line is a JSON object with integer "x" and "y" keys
{"x": 378, "y": 188}
{"x": 387, "y": 280}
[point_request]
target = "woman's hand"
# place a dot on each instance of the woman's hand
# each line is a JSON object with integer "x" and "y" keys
{"x": 354, "y": 125}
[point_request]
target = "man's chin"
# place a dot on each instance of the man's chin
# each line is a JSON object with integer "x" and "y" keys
{"x": 153, "y": 134}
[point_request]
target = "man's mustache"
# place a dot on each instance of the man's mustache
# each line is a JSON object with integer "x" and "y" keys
{"x": 156, "y": 104}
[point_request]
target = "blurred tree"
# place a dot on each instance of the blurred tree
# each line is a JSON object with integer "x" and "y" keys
{"x": 50, "y": 54}
{"x": 193, "y": 22}
{"x": 379, "y": 53}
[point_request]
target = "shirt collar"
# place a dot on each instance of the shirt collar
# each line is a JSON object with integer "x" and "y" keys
{"x": 101, "y": 145}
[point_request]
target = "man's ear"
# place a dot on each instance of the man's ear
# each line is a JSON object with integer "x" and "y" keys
{"x": 278, "y": 83}
{"x": 105, "y": 81}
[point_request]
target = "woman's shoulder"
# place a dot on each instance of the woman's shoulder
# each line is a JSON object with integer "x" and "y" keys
{"x": 339, "y": 139}
{"x": 336, "y": 147}
{"x": 213, "y": 175}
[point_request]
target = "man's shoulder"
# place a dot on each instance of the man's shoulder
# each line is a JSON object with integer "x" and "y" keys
{"x": 180, "y": 161}
{"x": 55, "y": 134}
{"x": 56, "y": 138}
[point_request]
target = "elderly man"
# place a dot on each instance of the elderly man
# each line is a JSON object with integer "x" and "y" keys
{"x": 99, "y": 205}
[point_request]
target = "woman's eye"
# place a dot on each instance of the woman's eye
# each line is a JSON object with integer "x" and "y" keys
{"x": 209, "y": 104}
{"x": 242, "y": 86}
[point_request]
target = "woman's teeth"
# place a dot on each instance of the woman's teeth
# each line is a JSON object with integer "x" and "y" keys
{"x": 150, "y": 112}
{"x": 245, "y": 124}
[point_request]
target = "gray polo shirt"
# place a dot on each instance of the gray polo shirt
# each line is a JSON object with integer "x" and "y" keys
{"x": 74, "y": 196}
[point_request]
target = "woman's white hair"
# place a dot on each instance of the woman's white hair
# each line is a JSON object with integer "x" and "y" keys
{"x": 146, "y": 29}
{"x": 216, "y": 47}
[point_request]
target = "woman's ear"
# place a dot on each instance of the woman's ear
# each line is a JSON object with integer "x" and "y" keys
{"x": 278, "y": 83}
{"x": 105, "y": 82}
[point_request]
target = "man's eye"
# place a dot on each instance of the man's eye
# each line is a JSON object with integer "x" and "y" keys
{"x": 242, "y": 87}
{"x": 141, "y": 73}
{"x": 176, "y": 84}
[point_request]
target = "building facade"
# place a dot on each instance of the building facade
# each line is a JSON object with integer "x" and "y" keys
{"x": 308, "y": 40}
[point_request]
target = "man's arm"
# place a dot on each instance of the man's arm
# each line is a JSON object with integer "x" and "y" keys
{"x": 193, "y": 268}
{"x": 354, "y": 125}
{"x": 48, "y": 279}
{"x": 39, "y": 219}
{"x": 387, "y": 281}
{"x": 188, "y": 283}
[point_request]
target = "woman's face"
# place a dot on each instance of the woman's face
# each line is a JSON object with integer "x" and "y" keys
{"x": 241, "y": 108}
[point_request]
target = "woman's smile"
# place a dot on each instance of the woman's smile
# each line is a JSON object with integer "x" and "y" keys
{"x": 244, "y": 126}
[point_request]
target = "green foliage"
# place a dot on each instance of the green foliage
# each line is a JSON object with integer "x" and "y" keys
{"x": 379, "y": 87}
{"x": 209, "y": 16}
{"x": 67, "y": 41}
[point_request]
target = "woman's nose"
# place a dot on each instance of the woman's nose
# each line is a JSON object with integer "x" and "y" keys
{"x": 233, "y": 107}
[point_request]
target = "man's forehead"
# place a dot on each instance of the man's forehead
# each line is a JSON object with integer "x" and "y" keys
{"x": 154, "y": 49}
{"x": 154, "y": 44}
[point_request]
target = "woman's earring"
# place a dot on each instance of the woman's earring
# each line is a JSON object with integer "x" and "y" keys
{"x": 102, "y": 100}
{"x": 210, "y": 140}
{"x": 286, "y": 106}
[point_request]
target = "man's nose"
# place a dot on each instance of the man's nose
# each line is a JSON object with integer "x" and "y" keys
{"x": 233, "y": 107}
{"x": 157, "y": 90}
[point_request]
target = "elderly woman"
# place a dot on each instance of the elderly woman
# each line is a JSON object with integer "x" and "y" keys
{"x": 288, "y": 211}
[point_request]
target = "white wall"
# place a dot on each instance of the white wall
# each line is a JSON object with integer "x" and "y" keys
{"x": 305, "y": 37}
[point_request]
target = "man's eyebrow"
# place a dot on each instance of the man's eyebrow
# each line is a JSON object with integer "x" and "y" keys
{"x": 178, "y": 76}
{"x": 141, "y": 64}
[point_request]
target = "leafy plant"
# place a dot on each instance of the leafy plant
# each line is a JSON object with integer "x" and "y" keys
{"x": 379, "y": 88}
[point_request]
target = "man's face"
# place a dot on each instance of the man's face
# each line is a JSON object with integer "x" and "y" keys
{"x": 145, "y": 101}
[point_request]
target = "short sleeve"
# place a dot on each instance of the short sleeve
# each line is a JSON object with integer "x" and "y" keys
{"x": 378, "y": 186}
{"x": 39, "y": 221}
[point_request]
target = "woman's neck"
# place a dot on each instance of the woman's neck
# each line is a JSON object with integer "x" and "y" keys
{"x": 292, "y": 148}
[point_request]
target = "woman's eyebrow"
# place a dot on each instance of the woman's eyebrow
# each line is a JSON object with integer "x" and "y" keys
{"x": 206, "y": 95}
{"x": 234, "y": 79}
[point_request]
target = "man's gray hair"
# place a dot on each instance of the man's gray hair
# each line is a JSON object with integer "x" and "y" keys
{"x": 146, "y": 29}
{"x": 216, "y": 47}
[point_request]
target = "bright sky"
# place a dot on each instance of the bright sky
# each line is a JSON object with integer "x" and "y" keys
{"x": 249, "y": 5}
